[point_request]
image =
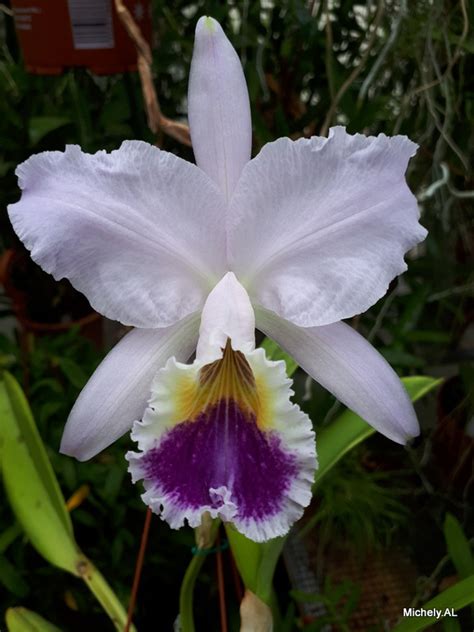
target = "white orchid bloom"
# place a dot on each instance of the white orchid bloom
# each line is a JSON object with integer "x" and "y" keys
{"x": 307, "y": 233}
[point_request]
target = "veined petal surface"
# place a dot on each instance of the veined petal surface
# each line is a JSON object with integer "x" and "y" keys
{"x": 138, "y": 231}
{"x": 118, "y": 391}
{"x": 348, "y": 366}
{"x": 318, "y": 227}
{"x": 218, "y": 107}
{"x": 225, "y": 438}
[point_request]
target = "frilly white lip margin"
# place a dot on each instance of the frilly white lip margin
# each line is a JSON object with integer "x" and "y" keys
{"x": 252, "y": 468}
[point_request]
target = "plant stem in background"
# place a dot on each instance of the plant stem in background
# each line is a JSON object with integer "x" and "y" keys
{"x": 157, "y": 122}
{"x": 355, "y": 73}
{"x": 83, "y": 119}
{"x": 329, "y": 52}
{"x": 138, "y": 569}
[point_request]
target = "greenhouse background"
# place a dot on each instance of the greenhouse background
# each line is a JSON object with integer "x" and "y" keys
{"x": 389, "y": 528}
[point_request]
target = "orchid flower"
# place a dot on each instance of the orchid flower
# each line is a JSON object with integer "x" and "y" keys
{"x": 195, "y": 257}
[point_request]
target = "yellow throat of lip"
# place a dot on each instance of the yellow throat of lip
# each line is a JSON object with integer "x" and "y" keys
{"x": 229, "y": 378}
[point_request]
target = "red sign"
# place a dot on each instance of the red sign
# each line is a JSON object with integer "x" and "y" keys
{"x": 56, "y": 34}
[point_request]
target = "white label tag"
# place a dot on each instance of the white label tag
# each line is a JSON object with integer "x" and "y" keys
{"x": 91, "y": 22}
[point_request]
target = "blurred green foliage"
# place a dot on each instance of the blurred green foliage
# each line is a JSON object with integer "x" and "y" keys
{"x": 357, "y": 505}
{"x": 339, "y": 601}
{"x": 390, "y": 66}
{"x": 23, "y": 620}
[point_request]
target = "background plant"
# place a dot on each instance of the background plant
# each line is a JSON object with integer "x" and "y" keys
{"x": 388, "y": 66}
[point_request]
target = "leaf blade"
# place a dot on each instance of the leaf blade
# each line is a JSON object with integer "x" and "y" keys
{"x": 348, "y": 430}
{"x": 455, "y": 597}
{"x": 458, "y": 547}
{"x": 23, "y": 620}
{"x": 19, "y": 422}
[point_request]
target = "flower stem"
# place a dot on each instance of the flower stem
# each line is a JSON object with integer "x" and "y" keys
{"x": 187, "y": 587}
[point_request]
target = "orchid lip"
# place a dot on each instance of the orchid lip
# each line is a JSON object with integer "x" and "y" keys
{"x": 214, "y": 439}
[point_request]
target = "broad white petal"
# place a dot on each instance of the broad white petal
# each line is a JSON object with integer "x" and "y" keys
{"x": 138, "y": 231}
{"x": 117, "y": 393}
{"x": 219, "y": 109}
{"x": 319, "y": 227}
{"x": 348, "y": 366}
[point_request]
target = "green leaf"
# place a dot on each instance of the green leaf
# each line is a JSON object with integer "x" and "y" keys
{"x": 74, "y": 373}
{"x": 348, "y": 430}
{"x": 338, "y": 438}
{"x": 424, "y": 335}
{"x": 34, "y": 508}
{"x": 23, "y": 620}
{"x": 459, "y": 548}
{"x": 36, "y": 499}
{"x": 9, "y": 535}
{"x": 401, "y": 358}
{"x": 39, "y": 126}
{"x": 256, "y": 562}
{"x": 420, "y": 385}
{"x": 451, "y": 625}
{"x": 455, "y": 597}
{"x": 275, "y": 352}
{"x": 18, "y": 428}
{"x": 11, "y": 579}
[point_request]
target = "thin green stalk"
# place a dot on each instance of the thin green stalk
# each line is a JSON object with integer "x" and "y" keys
{"x": 83, "y": 117}
{"x": 186, "y": 594}
{"x": 329, "y": 53}
{"x": 104, "y": 594}
{"x": 275, "y": 608}
{"x": 139, "y": 127}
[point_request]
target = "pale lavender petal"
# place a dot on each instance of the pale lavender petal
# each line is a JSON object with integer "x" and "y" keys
{"x": 319, "y": 227}
{"x": 138, "y": 231}
{"x": 219, "y": 109}
{"x": 118, "y": 391}
{"x": 348, "y": 366}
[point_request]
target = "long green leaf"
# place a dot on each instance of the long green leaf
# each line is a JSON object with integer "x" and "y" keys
{"x": 9, "y": 535}
{"x": 23, "y": 620}
{"x": 30, "y": 483}
{"x": 452, "y": 599}
{"x": 17, "y": 423}
{"x": 34, "y": 509}
{"x": 451, "y": 625}
{"x": 36, "y": 499}
{"x": 458, "y": 547}
{"x": 256, "y": 562}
